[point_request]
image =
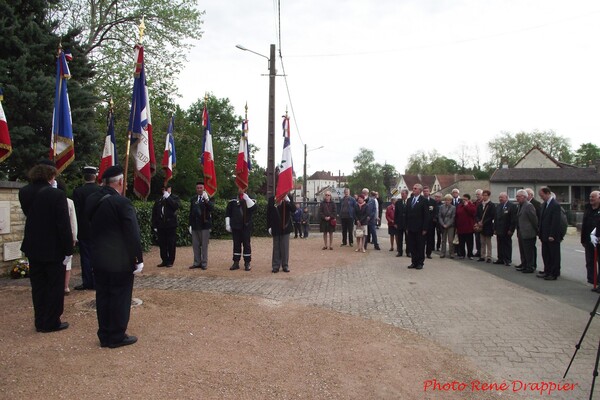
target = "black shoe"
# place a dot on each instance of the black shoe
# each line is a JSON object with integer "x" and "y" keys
{"x": 203, "y": 267}
{"x": 520, "y": 269}
{"x": 351, "y": 245}
{"x": 489, "y": 261}
{"x": 498, "y": 262}
{"x": 428, "y": 256}
{"x": 81, "y": 287}
{"x": 420, "y": 266}
{"x": 194, "y": 266}
{"x": 60, "y": 327}
{"x": 169, "y": 266}
{"x": 247, "y": 266}
{"x": 125, "y": 342}
{"x": 399, "y": 255}
{"x": 377, "y": 247}
{"x": 160, "y": 265}
{"x": 234, "y": 266}
{"x": 481, "y": 259}
{"x": 286, "y": 269}
{"x": 275, "y": 270}
{"x": 550, "y": 278}
{"x": 507, "y": 264}
{"x": 528, "y": 270}
{"x": 411, "y": 266}
{"x": 343, "y": 244}
{"x": 541, "y": 274}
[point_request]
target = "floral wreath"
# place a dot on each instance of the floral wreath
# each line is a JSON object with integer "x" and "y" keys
{"x": 19, "y": 268}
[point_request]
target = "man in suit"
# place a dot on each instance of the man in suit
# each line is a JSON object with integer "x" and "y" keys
{"x": 430, "y": 238}
{"x": 505, "y": 224}
{"x": 116, "y": 257}
{"x": 164, "y": 223}
{"x": 238, "y": 221}
{"x": 456, "y": 200}
{"x": 418, "y": 222}
{"x": 80, "y": 194}
{"x": 48, "y": 244}
{"x": 527, "y": 230}
{"x": 279, "y": 224}
{"x": 347, "y": 205}
{"x": 200, "y": 220}
{"x": 550, "y": 234}
{"x": 400, "y": 221}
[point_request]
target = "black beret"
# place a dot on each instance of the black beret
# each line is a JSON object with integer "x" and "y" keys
{"x": 90, "y": 170}
{"x": 113, "y": 171}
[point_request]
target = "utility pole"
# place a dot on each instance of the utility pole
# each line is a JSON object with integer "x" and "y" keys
{"x": 271, "y": 129}
{"x": 304, "y": 183}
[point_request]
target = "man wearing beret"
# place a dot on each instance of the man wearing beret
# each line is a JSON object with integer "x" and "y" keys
{"x": 80, "y": 194}
{"x": 238, "y": 221}
{"x": 116, "y": 257}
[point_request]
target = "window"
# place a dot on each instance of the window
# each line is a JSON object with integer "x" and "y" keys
{"x": 512, "y": 192}
{"x": 561, "y": 192}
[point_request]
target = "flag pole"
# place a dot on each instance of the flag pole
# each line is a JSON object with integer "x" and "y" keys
{"x": 141, "y": 28}
{"x": 54, "y": 134}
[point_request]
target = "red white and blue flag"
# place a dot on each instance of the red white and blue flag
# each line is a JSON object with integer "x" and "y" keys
{"x": 109, "y": 154}
{"x": 5, "y": 146}
{"x": 140, "y": 129}
{"x": 207, "y": 159}
{"x": 243, "y": 166}
{"x": 285, "y": 184}
{"x": 62, "y": 149}
{"x": 169, "y": 158}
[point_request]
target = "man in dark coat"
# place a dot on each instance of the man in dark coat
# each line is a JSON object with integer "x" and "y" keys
{"x": 527, "y": 230}
{"x": 80, "y": 194}
{"x": 418, "y": 222}
{"x": 400, "y": 221}
{"x": 200, "y": 220}
{"x": 116, "y": 257}
{"x": 164, "y": 223}
{"x": 433, "y": 209}
{"x": 550, "y": 234}
{"x": 505, "y": 224}
{"x": 591, "y": 218}
{"x": 238, "y": 221}
{"x": 48, "y": 244}
{"x": 279, "y": 224}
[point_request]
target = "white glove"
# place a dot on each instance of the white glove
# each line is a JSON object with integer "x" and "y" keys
{"x": 138, "y": 268}
{"x": 54, "y": 184}
{"x": 249, "y": 202}
{"x": 67, "y": 260}
{"x": 205, "y": 196}
{"x": 593, "y": 237}
{"x": 155, "y": 230}
{"x": 270, "y": 234}
{"x": 190, "y": 229}
{"x": 166, "y": 194}
{"x": 286, "y": 198}
{"x": 227, "y": 226}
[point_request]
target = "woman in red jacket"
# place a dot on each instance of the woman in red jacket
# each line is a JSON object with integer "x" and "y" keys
{"x": 465, "y": 219}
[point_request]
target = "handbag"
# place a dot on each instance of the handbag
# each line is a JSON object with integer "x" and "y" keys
{"x": 359, "y": 233}
{"x": 455, "y": 240}
{"x": 333, "y": 222}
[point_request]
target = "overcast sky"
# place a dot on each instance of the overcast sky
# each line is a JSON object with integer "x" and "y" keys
{"x": 399, "y": 76}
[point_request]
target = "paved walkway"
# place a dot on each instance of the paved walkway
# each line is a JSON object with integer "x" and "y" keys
{"x": 512, "y": 325}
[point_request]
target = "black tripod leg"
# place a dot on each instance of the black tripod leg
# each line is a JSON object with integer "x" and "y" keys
{"x": 578, "y": 345}
{"x": 595, "y": 372}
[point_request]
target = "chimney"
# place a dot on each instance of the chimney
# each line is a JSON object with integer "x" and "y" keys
{"x": 504, "y": 162}
{"x": 597, "y": 165}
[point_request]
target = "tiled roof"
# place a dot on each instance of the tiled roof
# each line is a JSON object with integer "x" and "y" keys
{"x": 569, "y": 175}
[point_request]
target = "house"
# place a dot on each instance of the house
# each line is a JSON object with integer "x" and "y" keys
{"x": 437, "y": 183}
{"x": 321, "y": 180}
{"x": 571, "y": 184}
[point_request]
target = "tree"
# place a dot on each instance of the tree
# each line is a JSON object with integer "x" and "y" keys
{"x": 512, "y": 148}
{"x": 431, "y": 164}
{"x": 389, "y": 176}
{"x": 586, "y": 154}
{"x": 108, "y": 30}
{"x": 366, "y": 173}
{"x": 27, "y": 73}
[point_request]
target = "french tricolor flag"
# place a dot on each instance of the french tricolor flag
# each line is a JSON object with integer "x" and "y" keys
{"x": 169, "y": 158}
{"x": 5, "y": 146}
{"x": 285, "y": 184}
{"x": 207, "y": 159}
{"x": 242, "y": 166}
{"x": 109, "y": 154}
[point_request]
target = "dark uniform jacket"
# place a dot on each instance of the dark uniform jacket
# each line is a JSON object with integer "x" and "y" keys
{"x": 418, "y": 217}
{"x": 279, "y": 217}
{"x": 164, "y": 212}
{"x": 485, "y": 215}
{"x": 80, "y": 194}
{"x": 240, "y": 216}
{"x": 550, "y": 221}
{"x": 200, "y": 216}
{"x": 591, "y": 218}
{"x": 505, "y": 222}
{"x": 400, "y": 214}
{"x": 116, "y": 245}
{"x": 48, "y": 235}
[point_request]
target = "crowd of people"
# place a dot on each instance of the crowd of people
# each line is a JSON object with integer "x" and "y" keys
{"x": 104, "y": 225}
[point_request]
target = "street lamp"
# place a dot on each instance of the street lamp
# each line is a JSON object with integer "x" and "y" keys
{"x": 304, "y": 184}
{"x": 271, "y": 127}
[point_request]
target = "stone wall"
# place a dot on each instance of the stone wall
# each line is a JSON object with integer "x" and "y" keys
{"x": 9, "y": 192}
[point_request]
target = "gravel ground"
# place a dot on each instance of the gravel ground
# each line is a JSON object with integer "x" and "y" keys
{"x": 197, "y": 345}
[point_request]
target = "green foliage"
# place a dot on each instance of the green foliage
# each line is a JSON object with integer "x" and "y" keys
{"x": 511, "y": 147}
{"x": 389, "y": 176}
{"x": 367, "y": 173}
{"x": 27, "y": 74}
{"x": 586, "y": 154}
{"x": 148, "y": 237}
{"x": 431, "y": 163}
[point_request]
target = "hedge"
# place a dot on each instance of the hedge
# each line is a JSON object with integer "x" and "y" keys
{"x": 144, "y": 215}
